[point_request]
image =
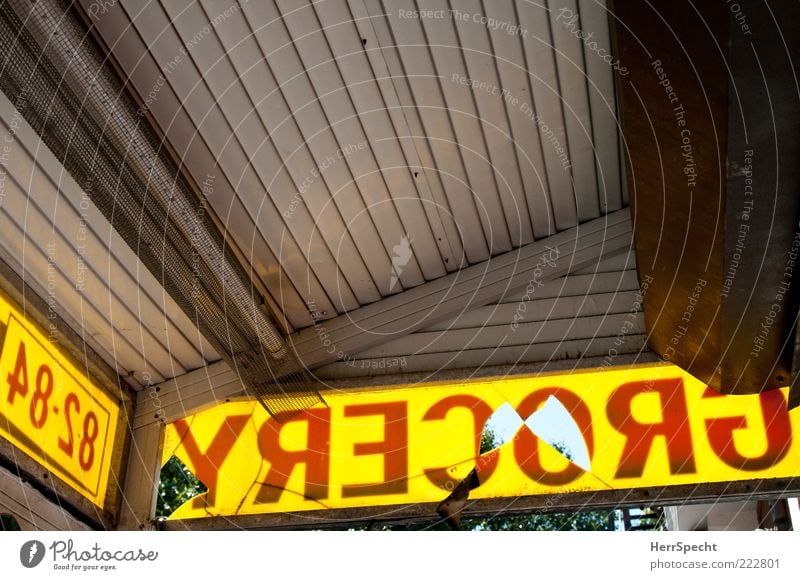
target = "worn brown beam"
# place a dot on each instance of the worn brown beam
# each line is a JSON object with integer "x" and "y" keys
{"x": 32, "y": 509}
{"x": 710, "y": 113}
{"x": 140, "y": 488}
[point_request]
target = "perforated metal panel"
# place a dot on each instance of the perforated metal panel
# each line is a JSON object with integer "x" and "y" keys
{"x": 79, "y": 108}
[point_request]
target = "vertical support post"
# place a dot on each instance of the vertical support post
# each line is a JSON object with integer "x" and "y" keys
{"x": 141, "y": 477}
{"x": 794, "y": 512}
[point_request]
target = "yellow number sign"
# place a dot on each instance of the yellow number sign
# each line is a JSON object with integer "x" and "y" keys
{"x": 51, "y": 411}
{"x": 643, "y": 426}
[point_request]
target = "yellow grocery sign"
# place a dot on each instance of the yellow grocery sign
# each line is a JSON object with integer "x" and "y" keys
{"x": 50, "y": 410}
{"x": 644, "y": 426}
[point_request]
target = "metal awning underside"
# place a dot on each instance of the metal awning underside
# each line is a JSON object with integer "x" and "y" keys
{"x": 334, "y": 137}
{"x": 359, "y": 155}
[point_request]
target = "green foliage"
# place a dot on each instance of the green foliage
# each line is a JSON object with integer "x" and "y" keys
{"x": 176, "y": 486}
{"x": 488, "y": 441}
{"x": 547, "y": 522}
{"x": 8, "y": 523}
{"x": 544, "y": 521}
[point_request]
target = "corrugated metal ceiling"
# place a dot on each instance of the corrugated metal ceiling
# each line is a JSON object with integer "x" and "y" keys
{"x": 65, "y": 250}
{"x": 354, "y": 149}
{"x": 595, "y": 312}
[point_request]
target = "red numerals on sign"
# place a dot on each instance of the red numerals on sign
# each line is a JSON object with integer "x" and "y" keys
{"x": 18, "y": 380}
{"x": 39, "y": 408}
{"x": 70, "y": 402}
{"x": 41, "y": 396}
{"x": 86, "y": 452}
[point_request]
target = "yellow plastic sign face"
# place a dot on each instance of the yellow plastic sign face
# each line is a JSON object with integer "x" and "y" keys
{"x": 644, "y": 426}
{"x": 51, "y": 411}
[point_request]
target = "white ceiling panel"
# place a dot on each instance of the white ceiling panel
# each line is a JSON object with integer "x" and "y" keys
{"x": 65, "y": 249}
{"x": 359, "y": 148}
{"x": 593, "y": 312}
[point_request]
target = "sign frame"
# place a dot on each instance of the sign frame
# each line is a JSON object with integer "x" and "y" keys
{"x": 36, "y": 312}
{"x": 764, "y": 487}
{"x": 425, "y": 513}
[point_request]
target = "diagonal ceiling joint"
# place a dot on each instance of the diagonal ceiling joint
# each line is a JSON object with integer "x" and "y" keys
{"x": 480, "y": 284}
